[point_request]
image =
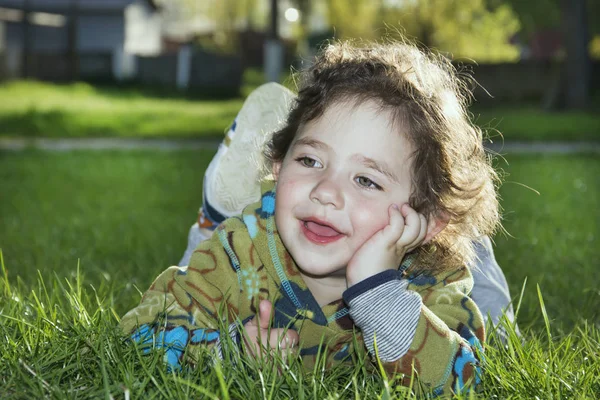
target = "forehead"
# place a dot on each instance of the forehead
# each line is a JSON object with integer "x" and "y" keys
{"x": 363, "y": 128}
{"x": 359, "y": 114}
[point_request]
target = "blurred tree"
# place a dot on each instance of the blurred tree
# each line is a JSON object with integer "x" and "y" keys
{"x": 354, "y": 19}
{"x": 530, "y": 15}
{"x": 215, "y": 22}
{"x": 465, "y": 28}
{"x": 576, "y": 19}
{"x": 577, "y": 65}
{"x": 543, "y": 14}
{"x": 305, "y": 9}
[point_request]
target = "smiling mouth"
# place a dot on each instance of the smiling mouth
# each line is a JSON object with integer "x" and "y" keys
{"x": 319, "y": 233}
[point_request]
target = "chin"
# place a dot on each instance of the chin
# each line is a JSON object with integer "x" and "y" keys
{"x": 311, "y": 266}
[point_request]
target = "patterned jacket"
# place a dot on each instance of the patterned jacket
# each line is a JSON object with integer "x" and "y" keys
{"x": 418, "y": 323}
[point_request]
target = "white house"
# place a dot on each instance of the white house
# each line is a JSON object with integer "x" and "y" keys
{"x": 48, "y": 37}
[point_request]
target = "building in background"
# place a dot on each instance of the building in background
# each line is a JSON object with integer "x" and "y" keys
{"x": 76, "y": 39}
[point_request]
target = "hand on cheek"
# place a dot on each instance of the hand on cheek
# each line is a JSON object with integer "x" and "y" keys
{"x": 405, "y": 231}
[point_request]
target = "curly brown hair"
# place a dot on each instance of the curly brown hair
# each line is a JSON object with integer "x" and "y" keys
{"x": 453, "y": 177}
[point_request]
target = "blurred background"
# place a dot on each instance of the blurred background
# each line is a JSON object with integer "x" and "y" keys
{"x": 546, "y": 51}
{"x": 128, "y": 71}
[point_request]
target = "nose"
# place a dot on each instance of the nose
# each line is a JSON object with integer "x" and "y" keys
{"x": 328, "y": 191}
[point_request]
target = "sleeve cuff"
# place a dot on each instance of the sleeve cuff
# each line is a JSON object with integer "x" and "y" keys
{"x": 372, "y": 282}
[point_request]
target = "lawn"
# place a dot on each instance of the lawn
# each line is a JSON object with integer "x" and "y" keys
{"x": 528, "y": 122}
{"x": 82, "y": 232}
{"x": 36, "y": 109}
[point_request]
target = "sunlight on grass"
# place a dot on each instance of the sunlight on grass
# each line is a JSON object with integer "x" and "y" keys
{"x": 38, "y": 109}
{"x": 531, "y": 123}
{"x": 554, "y": 235}
{"x": 82, "y": 110}
{"x": 100, "y": 226}
{"x": 60, "y": 339}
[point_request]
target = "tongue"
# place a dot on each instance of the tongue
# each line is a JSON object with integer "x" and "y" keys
{"x": 321, "y": 230}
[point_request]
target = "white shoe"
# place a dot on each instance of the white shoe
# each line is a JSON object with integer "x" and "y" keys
{"x": 232, "y": 180}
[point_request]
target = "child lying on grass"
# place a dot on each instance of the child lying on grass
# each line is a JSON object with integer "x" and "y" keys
{"x": 379, "y": 188}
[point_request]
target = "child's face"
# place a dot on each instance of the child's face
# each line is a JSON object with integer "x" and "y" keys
{"x": 336, "y": 183}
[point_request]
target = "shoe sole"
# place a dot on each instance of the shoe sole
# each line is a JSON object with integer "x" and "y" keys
{"x": 236, "y": 173}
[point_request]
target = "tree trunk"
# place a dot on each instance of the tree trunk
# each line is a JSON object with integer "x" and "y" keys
{"x": 26, "y": 50}
{"x": 577, "y": 63}
{"x": 72, "y": 27}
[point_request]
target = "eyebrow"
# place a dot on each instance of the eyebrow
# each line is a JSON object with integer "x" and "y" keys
{"x": 367, "y": 162}
{"x": 306, "y": 141}
{"x": 380, "y": 167}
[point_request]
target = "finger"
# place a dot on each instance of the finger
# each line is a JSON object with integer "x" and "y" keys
{"x": 289, "y": 353}
{"x": 412, "y": 226}
{"x": 283, "y": 338}
{"x": 393, "y": 231}
{"x": 264, "y": 314}
{"x": 280, "y": 338}
{"x": 421, "y": 236}
{"x": 423, "y": 231}
{"x": 250, "y": 337}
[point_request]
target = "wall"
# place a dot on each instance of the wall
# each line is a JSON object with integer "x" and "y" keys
{"x": 209, "y": 73}
{"x": 56, "y": 66}
{"x": 212, "y": 72}
{"x": 100, "y": 33}
{"x": 159, "y": 70}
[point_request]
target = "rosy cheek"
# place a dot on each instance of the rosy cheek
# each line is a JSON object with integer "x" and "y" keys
{"x": 287, "y": 195}
{"x": 369, "y": 219}
{"x": 286, "y": 189}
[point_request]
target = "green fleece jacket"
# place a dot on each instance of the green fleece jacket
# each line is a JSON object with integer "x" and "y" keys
{"x": 417, "y": 323}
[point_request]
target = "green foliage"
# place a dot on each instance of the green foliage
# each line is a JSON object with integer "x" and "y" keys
{"x": 353, "y": 19}
{"x": 463, "y": 28}
{"x": 215, "y": 23}
{"x": 530, "y": 16}
{"x": 123, "y": 217}
{"x": 533, "y": 19}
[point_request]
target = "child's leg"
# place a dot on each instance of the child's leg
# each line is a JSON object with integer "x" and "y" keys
{"x": 490, "y": 290}
{"x": 231, "y": 181}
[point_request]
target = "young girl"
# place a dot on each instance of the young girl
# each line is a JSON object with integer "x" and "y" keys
{"x": 232, "y": 181}
{"x": 380, "y": 185}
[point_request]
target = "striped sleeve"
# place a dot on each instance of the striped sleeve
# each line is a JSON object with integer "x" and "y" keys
{"x": 426, "y": 325}
{"x": 386, "y": 312}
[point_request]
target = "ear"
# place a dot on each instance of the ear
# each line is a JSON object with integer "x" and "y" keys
{"x": 276, "y": 169}
{"x": 435, "y": 225}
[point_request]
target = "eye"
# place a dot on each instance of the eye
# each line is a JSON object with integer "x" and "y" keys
{"x": 367, "y": 183}
{"x": 309, "y": 162}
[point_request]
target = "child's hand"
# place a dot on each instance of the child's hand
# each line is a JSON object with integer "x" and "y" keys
{"x": 405, "y": 231}
{"x": 261, "y": 340}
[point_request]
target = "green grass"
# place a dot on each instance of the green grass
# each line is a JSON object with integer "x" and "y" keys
{"x": 123, "y": 217}
{"x": 115, "y": 212}
{"x": 551, "y": 212}
{"x": 36, "y": 109}
{"x": 524, "y": 122}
